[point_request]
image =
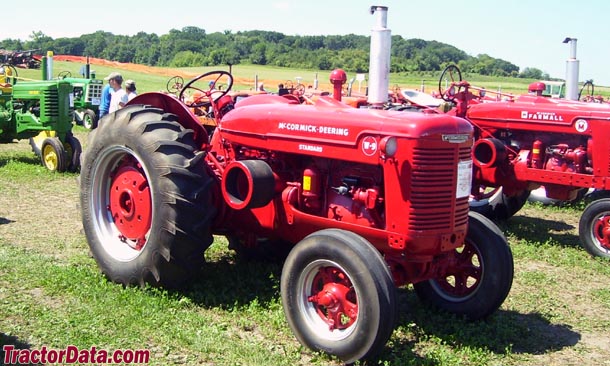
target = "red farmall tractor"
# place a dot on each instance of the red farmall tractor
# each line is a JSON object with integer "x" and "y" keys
{"x": 366, "y": 200}
{"x": 529, "y": 141}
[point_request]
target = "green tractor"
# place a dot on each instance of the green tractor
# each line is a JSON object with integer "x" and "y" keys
{"x": 87, "y": 96}
{"x": 42, "y": 112}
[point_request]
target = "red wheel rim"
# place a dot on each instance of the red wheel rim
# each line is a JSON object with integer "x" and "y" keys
{"x": 130, "y": 202}
{"x": 601, "y": 231}
{"x": 464, "y": 272}
{"x": 334, "y": 298}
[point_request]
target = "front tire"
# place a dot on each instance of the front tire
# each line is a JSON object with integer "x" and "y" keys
{"x": 594, "y": 228}
{"x": 478, "y": 276}
{"x": 495, "y": 205}
{"x": 89, "y": 119}
{"x": 338, "y": 295}
{"x": 145, "y": 198}
{"x": 74, "y": 150}
{"x": 53, "y": 155}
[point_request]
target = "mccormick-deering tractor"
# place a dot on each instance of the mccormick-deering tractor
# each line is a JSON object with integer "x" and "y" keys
{"x": 42, "y": 112}
{"x": 530, "y": 141}
{"x": 365, "y": 199}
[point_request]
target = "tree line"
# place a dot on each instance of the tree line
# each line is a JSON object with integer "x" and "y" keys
{"x": 193, "y": 46}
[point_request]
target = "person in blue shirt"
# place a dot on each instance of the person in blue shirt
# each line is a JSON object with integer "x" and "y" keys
{"x": 105, "y": 103}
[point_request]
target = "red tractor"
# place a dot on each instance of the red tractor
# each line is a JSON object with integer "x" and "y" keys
{"x": 529, "y": 141}
{"x": 366, "y": 200}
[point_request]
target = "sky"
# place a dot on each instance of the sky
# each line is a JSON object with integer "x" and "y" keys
{"x": 527, "y": 33}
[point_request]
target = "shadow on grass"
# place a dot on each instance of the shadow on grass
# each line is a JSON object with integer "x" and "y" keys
{"x": 227, "y": 283}
{"x": 534, "y": 229}
{"x": 8, "y": 340}
{"x": 504, "y": 332}
{"x": 4, "y": 160}
{"x": 4, "y": 221}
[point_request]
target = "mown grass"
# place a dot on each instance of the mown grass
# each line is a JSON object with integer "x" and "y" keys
{"x": 52, "y": 294}
{"x": 71, "y": 303}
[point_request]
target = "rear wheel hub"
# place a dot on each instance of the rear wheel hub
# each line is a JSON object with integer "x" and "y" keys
{"x": 131, "y": 203}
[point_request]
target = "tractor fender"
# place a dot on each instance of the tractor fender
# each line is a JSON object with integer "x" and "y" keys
{"x": 171, "y": 104}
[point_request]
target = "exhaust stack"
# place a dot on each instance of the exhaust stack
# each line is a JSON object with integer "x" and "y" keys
{"x": 47, "y": 66}
{"x": 572, "y": 71}
{"x": 379, "y": 67}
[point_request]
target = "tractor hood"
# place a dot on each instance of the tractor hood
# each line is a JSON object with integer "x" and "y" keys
{"x": 537, "y": 110}
{"x": 274, "y": 123}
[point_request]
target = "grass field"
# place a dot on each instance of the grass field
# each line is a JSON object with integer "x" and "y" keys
{"x": 156, "y": 78}
{"x": 52, "y": 293}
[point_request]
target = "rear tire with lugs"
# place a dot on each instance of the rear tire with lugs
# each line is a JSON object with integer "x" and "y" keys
{"x": 146, "y": 198}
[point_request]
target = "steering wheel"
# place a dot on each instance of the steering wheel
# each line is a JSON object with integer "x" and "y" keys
{"x": 298, "y": 90}
{"x": 451, "y": 75}
{"x": 588, "y": 89}
{"x": 174, "y": 85}
{"x": 64, "y": 74}
{"x": 210, "y": 95}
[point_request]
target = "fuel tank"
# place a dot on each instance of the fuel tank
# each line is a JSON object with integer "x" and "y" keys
{"x": 537, "y": 113}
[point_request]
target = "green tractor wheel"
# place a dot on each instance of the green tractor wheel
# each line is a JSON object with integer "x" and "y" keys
{"x": 89, "y": 119}
{"x": 53, "y": 155}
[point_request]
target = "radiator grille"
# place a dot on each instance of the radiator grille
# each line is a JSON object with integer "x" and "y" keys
{"x": 94, "y": 92}
{"x": 51, "y": 103}
{"x": 433, "y": 202}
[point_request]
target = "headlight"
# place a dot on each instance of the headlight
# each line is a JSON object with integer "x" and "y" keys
{"x": 388, "y": 146}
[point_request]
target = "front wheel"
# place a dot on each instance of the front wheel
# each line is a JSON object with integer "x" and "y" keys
{"x": 338, "y": 295}
{"x": 53, "y": 155}
{"x": 594, "y": 228}
{"x": 89, "y": 119}
{"x": 476, "y": 277}
{"x": 145, "y": 199}
{"x": 74, "y": 149}
{"x": 495, "y": 205}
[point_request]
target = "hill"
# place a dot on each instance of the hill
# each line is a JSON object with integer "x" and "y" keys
{"x": 193, "y": 46}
